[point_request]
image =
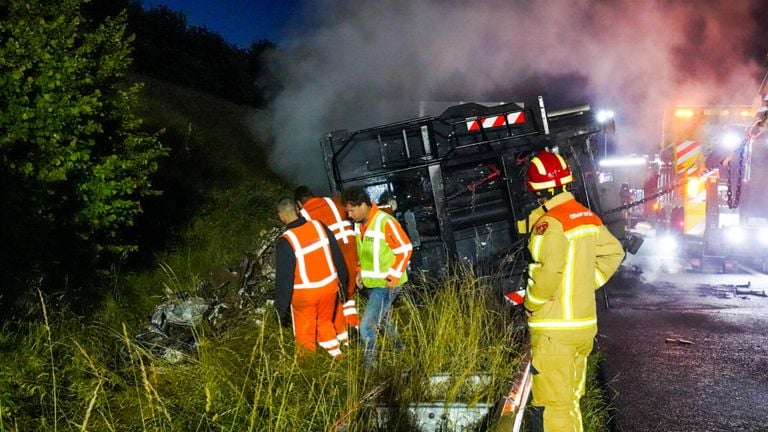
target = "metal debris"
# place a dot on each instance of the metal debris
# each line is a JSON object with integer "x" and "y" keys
{"x": 222, "y": 298}
{"x": 678, "y": 341}
{"x": 745, "y": 289}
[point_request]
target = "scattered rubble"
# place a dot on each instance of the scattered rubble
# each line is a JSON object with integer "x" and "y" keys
{"x": 222, "y": 298}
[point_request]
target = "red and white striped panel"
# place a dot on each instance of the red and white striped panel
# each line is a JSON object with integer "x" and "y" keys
{"x": 473, "y": 125}
{"x": 515, "y": 297}
{"x": 686, "y": 153}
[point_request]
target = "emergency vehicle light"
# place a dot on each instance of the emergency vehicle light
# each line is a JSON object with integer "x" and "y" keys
{"x": 730, "y": 140}
{"x": 684, "y": 113}
{"x": 693, "y": 187}
{"x": 604, "y": 115}
{"x": 625, "y": 161}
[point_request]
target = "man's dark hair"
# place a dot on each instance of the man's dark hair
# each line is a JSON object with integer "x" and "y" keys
{"x": 355, "y": 195}
{"x": 302, "y": 194}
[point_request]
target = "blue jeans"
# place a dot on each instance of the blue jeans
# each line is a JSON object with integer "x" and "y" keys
{"x": 377, "y": 314}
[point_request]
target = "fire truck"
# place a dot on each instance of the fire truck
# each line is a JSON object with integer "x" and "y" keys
{"x": 712, "y": 158}
{"x": 458, "y": 178}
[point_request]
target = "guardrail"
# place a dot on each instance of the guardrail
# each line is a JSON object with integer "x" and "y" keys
{"x": 506, "y": 415}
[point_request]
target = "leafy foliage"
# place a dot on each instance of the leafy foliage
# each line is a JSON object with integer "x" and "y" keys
{"x": 75, "y": 163}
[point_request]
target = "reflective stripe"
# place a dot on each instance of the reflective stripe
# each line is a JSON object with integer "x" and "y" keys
{"x": 373, "y": 274}
{"x": 342, "y": 337}
{"x": 403, "y": 249}
{"x": 543, "y": 185}
{"x": 341, "y": 227}
{"x": 539, "y": 166}
{"x": 333, "y": 343}
{"x": 533, "y": 299}
{"x": 536, "y": 249}
{"x": 323, "y": 243}
{"x": 559, "y": 324}
{"x": 599, "y": 278}
{"x": 582, "y": 231}
{"x": 318, "y": 284}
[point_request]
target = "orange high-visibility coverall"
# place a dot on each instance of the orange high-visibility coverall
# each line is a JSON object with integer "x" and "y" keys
{"x": 311, "y": 284}
{"x": 573, "y": 255}
{"x": 330, "y": 212}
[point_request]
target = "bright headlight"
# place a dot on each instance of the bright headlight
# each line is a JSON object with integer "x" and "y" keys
{"x": 668, "y": 243}
{"x": 604, "y": 115}
{"x": 763, "y": 236}
{"x": 731, "y": 140}
{"x": 735, "y": 235}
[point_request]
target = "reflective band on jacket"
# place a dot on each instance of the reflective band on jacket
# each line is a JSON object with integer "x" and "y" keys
{"x": 340, "y": 227}
{"x": 376, "y": 257}
{"x": 559, "y": 324}
{"x": 321, "y": 272}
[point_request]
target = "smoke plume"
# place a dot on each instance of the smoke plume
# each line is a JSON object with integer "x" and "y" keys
{"x": 361, "y": 63}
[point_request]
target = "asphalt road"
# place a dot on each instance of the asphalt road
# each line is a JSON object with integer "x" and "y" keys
{"x": 718, "y": 382}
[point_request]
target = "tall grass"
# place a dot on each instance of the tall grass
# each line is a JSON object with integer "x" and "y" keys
{"x": 63, "y": 376}
{"x": 249, "y": 378}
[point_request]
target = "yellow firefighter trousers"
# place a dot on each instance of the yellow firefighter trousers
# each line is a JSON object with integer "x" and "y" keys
{"x": 560, "y": 360}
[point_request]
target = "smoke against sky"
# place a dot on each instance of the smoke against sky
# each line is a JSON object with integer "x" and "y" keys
{"x": 365, "y": 63}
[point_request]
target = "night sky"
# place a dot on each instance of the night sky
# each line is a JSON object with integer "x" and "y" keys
{"x": 237, "y": 21}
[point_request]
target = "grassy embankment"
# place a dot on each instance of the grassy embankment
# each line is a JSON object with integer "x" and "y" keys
{"x": 59, "y": 372}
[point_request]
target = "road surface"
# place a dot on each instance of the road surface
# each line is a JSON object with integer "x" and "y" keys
{"x": 718, "y": 381}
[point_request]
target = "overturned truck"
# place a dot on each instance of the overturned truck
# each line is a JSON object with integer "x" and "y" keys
{"x": 458, "y": 179}
{"x": 456, "y": 182}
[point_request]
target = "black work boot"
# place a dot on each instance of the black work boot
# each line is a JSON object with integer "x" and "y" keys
{"x": 536, "y": 417}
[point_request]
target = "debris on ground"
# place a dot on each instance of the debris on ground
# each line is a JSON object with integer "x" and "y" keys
{"x": 226, "y": 296}
{"x": 678, "y": 341}
{"x": 745, "y": 290}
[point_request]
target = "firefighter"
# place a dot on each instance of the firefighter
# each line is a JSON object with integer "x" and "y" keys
{"x": 384, "y": 251}
{"x": 573, "y": 254}
{"x": 330, "y": 212}
{"x": 309, "y": 276}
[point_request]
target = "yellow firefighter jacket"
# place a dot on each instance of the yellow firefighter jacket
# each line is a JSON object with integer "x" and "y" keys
{"x": 573, "y": 254}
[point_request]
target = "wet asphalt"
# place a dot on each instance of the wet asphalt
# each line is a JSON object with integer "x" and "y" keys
{"x": 718, "y": 382}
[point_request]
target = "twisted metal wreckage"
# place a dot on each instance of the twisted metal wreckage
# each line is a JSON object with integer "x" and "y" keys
{"x": 225, "y": 296}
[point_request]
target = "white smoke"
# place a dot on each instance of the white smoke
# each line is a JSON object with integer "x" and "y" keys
{"x": 364, "y": 60}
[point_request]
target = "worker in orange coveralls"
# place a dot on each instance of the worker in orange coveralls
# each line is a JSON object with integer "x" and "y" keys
{"x": 310, "y": 274}
{"x": 573, "y": 254}
{"x": 330, "y": 212}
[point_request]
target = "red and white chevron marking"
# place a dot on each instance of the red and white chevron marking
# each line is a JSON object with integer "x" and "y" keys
{"x": 495, "y": 121}
{"x": 686, "y": 153}
{"x": 515, "y": 297}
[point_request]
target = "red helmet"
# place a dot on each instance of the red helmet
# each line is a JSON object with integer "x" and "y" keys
{"x": 548, "y": 170}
